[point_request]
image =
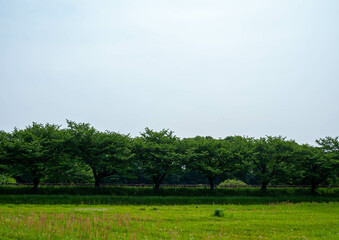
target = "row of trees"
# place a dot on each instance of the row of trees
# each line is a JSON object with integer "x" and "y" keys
{"x": 80, "y": 153}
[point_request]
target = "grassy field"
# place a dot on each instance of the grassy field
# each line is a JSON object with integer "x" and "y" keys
{"x": 66, "y": 212}
{"x": 258, "y": 221}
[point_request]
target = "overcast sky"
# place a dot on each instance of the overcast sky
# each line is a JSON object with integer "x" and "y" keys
{"x": 214, "y": 68}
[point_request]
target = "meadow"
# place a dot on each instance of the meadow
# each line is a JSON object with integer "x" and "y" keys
{"x": 66, "y": 212}
{"x": 256, "y": 221}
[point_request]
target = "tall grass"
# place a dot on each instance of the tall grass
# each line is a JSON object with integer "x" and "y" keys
{"x": 274, "y": 221}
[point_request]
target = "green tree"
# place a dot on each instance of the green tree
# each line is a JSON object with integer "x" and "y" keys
{"x": 34, "y": 150}
{"x": 315, "y": 165}
{"x": 214, "y": 157}
{"x": 157, "y": 154}
{"x": 69, "y": 171}
{"x": 271, "y": 158}
{"x": 3, "y": 138}
{"x": 106, "y": 153}
{"x": 319, "y": 164}
{"x": 239, "y": 151}
{"x": 330, "y": 146}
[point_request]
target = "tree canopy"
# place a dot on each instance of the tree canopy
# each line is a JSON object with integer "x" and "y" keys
{"x": 157, "y": 154}
{"x": 105, "y": 153}
{"x": 79, "y": 153}
{"x": 34, "y": 150}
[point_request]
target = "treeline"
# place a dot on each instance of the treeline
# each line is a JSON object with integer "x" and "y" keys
{"x": 45, "y": 153}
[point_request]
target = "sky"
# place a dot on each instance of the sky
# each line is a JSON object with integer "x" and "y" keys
{"x": 211, "y": 68}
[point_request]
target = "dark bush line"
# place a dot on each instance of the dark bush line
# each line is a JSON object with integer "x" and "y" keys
{"x": 165, "y": 191}
{"x": 157, "y": 200}
{"x": 168, "y": 185}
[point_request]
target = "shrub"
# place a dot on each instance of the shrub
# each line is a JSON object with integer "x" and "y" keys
{"x": 232, "y": 182}
{"x": 218, "y": 213}
{"x": 5, "y": 179}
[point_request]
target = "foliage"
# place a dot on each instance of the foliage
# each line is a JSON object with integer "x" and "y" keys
{"x": 69, "y": 171}
{"x": 204, "y": 154}
{"x": 316, "y": 167}
{"x": 213, "y": 157}
{"x": 164, "y": 191}
{"x": 105, "y": 153}
{"x": 159, "y": 200}
{"x": 157, "y": 154}
{"x": 34, "y": 150}
{"x": 232, "y": 182}
{"x": 329, "y": 144}
{"x": 3, "y": 138}
{"x": 271, "y": 158}
{"x": 219, "y": 213}
{"x": 45, "y": 153}
{"x": 330, "y": 147}
{"x": 6, "y": 179}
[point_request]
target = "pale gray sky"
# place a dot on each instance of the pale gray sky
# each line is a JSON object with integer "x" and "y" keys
{"x": 213, "y": 68}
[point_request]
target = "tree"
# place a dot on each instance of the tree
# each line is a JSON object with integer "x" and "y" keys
{"x": 3, "y": 163}
{"x": 3, "y": 138}
{"x": 157, "y": 154}
{"x": 213, "y": 157}
{"x": 204, "y": 156}
{"x": 330, "y": 146}
{"x": 318, "y": 164}
{"x": 69, "y": 171}
{"x": 106, "y": 153}
{"x": 271, "y": 158}
{"x": 315, "y": 165}
{"x": 240, "y": 150}
{"x": 34, "y": 150}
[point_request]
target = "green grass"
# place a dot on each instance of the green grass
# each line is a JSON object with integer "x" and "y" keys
{"x": 59, "y": 212}
{"x": 258, "y": 221}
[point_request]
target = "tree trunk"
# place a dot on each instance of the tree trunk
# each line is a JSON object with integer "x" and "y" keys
{"x": 313, "y": 188}
{"x": 97, "y": 178}
{"x": 97, "y": 181}
{"x": 156, "y": 186}
{"x": 36, "y": 182}
{"x": 264, "y": 186}
{"x": 157, "y": 180}
{"x": 211, "y": 181}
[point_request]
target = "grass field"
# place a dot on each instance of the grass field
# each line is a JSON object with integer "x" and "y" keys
{"x": 259, "y": 221}
{"x": 55, "y": 212}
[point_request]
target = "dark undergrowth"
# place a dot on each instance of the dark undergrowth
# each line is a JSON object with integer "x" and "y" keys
{"x": 156, "y": 200}
{"x": 165, "y": 191}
